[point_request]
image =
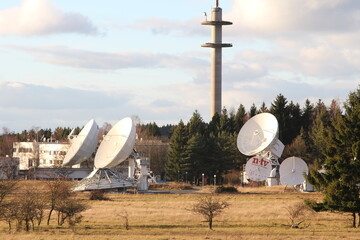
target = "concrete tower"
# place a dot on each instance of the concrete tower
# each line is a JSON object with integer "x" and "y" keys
{"x": 216, "y": 24}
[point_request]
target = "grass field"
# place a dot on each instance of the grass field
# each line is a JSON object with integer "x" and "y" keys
{"x": 254, "y": 213}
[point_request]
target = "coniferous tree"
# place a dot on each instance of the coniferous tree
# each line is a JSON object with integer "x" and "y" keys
{"x": 232, "y": 123}
{"x": 152, "y": 130}
{"x": 225, "y": 125}
{"x": 263, "y": 108}
{"x": 196, "y": 157}
{"x": 341, "y": 172}
{"x": 222, "y": 154}
{"x": 280, "y": 111}
{"x": 214, "y": 125}
{"x": 297, "y": 148}
{"x": 294, "y": 121}
{"x": 319, "y": 134}
{"x": 177, "y": 154}
{"x": 307, "y": 119}
{"x": 196, "y": 124}
{"x": 253, "y": 110}
{"x": 307, "y": 115}
{"x": 240, "y": 118}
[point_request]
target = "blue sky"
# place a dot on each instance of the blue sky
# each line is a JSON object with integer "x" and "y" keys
{"x": 64, "y": 62}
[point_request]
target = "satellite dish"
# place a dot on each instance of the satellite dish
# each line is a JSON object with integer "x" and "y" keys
{"x": 258, "y": 168}
{"x": 117, "y": 145}
{"x": 292, "y": 171}
{"x": 260, "y": 133}
{"x": 82, "y": 145}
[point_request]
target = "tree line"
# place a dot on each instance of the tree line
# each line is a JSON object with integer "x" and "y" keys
{"x": 198, "y": 148}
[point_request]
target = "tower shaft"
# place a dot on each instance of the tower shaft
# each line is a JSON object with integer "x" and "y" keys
{"x": 216, "y": 24}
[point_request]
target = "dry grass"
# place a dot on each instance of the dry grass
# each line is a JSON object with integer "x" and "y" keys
{"x": 255, "y": 213}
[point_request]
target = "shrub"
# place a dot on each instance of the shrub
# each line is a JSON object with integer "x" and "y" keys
{"x": 98, "y": 195}
{"x": 226, "y": 189}
{"x": 209, "y": 207}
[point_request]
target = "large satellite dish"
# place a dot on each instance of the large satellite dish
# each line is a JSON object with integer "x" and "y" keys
{"x": 258, "y": 134}
{"x": 292, "y": 171}
{"x": 258, "y": 168}
{"x": 117, "y": 145}
{"x": 83, "y": 145}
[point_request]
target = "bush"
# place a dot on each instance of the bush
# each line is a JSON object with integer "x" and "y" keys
{"x": 226, "y": 189}
{"x": 98, "y": 195}
{"x": 209, "y": 207}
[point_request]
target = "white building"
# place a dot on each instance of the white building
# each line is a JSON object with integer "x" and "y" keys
{"x": 27, "y": 153}
{"x": 52, "y": 154}
{"x": 40, "y": 154}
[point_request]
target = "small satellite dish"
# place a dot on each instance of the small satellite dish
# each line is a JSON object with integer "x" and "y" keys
{"x": 82, "y": 145}
{"x": 258, "y": 168}
{"x": 258, "y": 134}
{"x": 292, "y": 171}
{"x": 117, "y": 144}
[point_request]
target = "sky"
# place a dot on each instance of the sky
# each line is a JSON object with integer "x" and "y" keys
{"x": 64, "y": 62}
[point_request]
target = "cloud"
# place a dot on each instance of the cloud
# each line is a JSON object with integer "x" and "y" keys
{"x": 40, "y": 17}
{"x": 65, "y": 56}
{"x": 157, "y": 25}
{"x": 283, "y": 16}
{"x": 15, "y": 95}
{"x": 25, "y": 105}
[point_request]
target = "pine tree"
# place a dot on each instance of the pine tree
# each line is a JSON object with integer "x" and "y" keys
{"x": 263, "y": 108}
{"x": 225, "y": 125}
{"x": 177, "y": 153}
{"x": 319, "y": 135}
{"x": 196, "y": 157}
{"x": 214, "y": 125}
{"x": 222, "y": 154}
{"x": 294, "y": 122}
{"x": 240, "y": 118}
{"x": 307, "y": 115}
{"x": 342, "y": 167}
{"x": 196, "y": 124}
{"x": 253, "y": 110}
{"x": 280, "y": 110}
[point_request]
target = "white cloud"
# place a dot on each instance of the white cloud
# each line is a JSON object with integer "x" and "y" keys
{"x": 165, "y": 26}
{"x": 266, "y": 17}
{"x": 17, "y": 95}
{"x": 78, "y": 58}
{"x": 39, "y": 17}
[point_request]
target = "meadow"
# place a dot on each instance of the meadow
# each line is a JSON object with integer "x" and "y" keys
{"x": 254, "y": 213}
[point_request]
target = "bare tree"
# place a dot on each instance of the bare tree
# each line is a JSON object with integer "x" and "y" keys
{"x": 125, "y": 216}
{"x": 58, "y": 191}
{"x": 29, "y": 207}
{"x": 6, "y": 142}
{"x": 8, "y": 213}
{"x": 209, "y": 207}
{"x": 104, "y": 130}
{"x": 9, "y": 167}
{"x": 6, "y": 188}
{"x": 297, "y": 214}
{"x": 70, "y": 210}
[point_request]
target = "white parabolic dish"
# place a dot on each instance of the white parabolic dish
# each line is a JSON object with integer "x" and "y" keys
{"x": 257, "y": 134}
{"x": 117, "y": 145}
{"x": 83, "y": 145}
{"x": 292, "y": 171}
{"x": 258, "y": 168}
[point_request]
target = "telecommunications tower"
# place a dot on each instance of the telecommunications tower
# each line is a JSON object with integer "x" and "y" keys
{"x": 216, "y": 24}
